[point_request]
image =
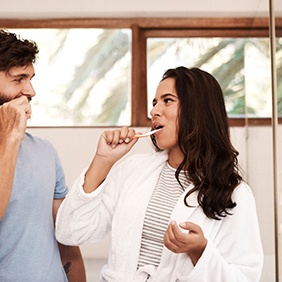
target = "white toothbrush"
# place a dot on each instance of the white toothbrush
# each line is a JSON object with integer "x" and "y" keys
{"x": 146, "y": 134}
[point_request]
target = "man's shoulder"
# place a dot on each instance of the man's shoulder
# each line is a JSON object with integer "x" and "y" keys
{"x": 33, "y": 140}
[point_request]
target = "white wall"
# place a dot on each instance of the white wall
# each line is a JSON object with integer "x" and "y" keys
{"x": 76, "y": 147}
{"x": 136, "y": 8}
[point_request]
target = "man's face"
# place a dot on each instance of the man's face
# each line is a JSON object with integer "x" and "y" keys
{"x": 15, "y": 83}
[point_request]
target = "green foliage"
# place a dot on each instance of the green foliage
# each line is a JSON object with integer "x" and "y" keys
{"x": 113, "y": 46}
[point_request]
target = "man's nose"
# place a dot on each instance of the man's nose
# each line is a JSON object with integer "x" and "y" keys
{"x": 28, "y": 90}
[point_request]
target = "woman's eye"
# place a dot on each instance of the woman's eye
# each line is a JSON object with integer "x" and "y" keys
{"x": 168, "y": 100}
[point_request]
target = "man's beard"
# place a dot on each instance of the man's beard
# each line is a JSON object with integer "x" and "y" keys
{"x": 3, "y": 99}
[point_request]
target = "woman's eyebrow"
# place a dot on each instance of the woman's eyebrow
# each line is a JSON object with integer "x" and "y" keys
{"x": 168, "y": 94}
{"x": 163, "y": 96}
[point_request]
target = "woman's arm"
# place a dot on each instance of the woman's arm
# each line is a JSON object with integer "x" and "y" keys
{"x": 112, "y": 146}
{"x": 85, "y": 215}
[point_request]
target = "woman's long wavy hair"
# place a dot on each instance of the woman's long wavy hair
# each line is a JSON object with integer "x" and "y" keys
{"x": 210, "y": 161}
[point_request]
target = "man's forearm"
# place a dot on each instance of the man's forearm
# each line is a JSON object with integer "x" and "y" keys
{"x": 73, "y": 263}
{"x": 8, "y": 159}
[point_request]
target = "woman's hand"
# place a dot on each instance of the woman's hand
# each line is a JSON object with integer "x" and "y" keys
{"x": 191, "y": 240}
{"x": 112, "y": 146}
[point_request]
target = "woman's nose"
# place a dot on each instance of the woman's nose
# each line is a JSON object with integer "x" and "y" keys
{"x": 156, "y": 111}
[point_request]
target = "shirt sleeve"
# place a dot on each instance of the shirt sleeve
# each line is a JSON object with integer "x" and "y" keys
{"x": 61, "y": 188}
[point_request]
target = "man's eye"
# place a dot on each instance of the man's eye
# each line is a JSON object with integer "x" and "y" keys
{"x": 18, "y": 79}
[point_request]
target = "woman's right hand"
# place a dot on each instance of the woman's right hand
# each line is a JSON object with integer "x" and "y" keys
{"x": 114, "y": 144}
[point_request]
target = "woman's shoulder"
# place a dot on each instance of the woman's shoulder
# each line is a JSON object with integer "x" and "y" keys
{"x": 148, "y": 156}
{"x": 243, "y": 192}
{"x": 144, "y": 160}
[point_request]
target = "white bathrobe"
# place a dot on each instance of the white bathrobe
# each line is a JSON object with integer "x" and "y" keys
{"x": 118, "y": 206}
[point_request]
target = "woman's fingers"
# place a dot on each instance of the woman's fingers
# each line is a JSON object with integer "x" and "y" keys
{"x": 119, "y": 136}
{"x": 185, "y": 237}
{"x": 174, "y": 238}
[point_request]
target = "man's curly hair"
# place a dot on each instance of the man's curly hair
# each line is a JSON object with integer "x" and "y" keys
{"x": 15, "y": 52}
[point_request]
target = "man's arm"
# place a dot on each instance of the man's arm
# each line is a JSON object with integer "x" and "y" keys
{"x": 13, "y": 117}
{"x": 70, "y": 255}
{"x": 73, "y": 263}
{"x": 8, "y": 159}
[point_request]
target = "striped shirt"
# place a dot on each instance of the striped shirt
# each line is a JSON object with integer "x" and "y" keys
{"x": 166, "y": 194}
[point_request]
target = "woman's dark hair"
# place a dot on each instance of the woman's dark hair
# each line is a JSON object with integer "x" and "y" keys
{"x": 15, "y": 52}
{"x": 210, "y": 161}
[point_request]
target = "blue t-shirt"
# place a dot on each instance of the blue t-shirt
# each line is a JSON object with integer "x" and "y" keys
{"x": 28, "y": 248}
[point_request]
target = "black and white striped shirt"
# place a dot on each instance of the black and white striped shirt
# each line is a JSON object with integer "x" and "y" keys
{"x": 166, "y": 194}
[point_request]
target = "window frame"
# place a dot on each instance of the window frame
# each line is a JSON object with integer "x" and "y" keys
{"x": 143, "y": 28}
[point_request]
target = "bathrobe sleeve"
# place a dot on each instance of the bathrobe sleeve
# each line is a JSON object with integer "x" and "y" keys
{"x": 84, "y": 218}
{"x": 234, "y": 250}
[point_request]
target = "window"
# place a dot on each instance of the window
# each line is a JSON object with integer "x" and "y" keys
{"x": 97, "y": 72}
{"x": 82, "y": 76}
{"x": 237, "y": 63}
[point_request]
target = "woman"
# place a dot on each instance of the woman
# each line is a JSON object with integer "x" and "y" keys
{"x": 180, "y": 214}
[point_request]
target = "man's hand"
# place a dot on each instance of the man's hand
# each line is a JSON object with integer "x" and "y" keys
{"x": 13, "y": 118}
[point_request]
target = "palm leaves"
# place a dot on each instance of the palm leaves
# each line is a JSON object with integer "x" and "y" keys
{"x": 111, "y": 49}
{"x": 239, "y": 64}
{"x": 97, "y": 88}
{"x": 113, "y": 46}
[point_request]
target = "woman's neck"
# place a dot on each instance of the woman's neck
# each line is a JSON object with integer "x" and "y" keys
{"x": 175, "y": 157}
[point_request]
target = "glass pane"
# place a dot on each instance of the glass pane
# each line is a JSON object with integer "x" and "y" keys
{"x": 82, "y": 76}
{"x": 241, "y": 65}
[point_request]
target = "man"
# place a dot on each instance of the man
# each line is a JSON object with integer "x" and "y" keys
{"x": 32, "y": 184}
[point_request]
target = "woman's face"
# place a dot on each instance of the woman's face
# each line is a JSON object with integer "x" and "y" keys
{"x": 165, "y": 114}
